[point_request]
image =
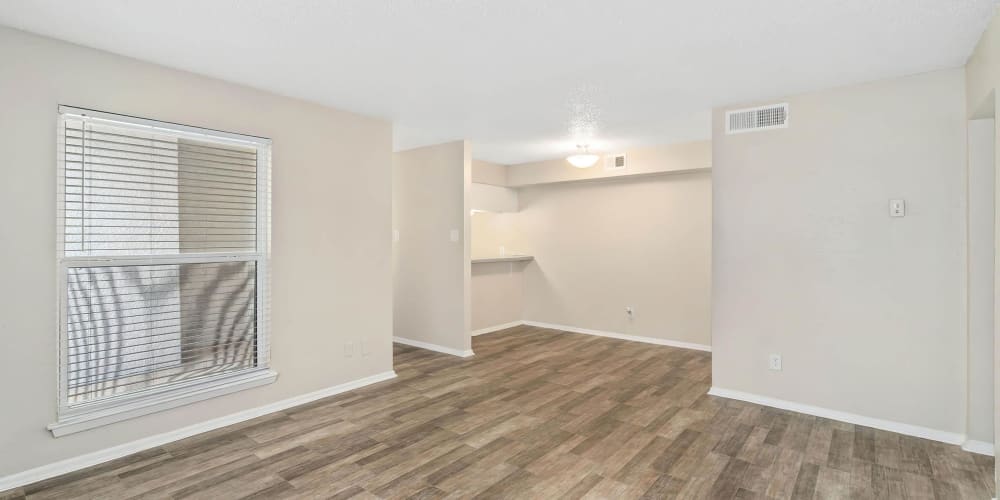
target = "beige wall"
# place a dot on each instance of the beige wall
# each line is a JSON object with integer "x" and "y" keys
{"x": 484, "y": 172}
{"x": 431, "y": 273}
{"x": 487, "y": 197}
{"x": 331, "y": 233}
{"x": 490, "y": 231}
{"x": 867, "y": 311}
{"x": 982, "y": 79}
{"x": 599, "y": 246}
{"x": 497, "y": 294}
{"x": 981, "y": 184}
{"x": 983, "y": 70}
{"x": 654, "y": 160}
{"x": 497, "y": 288}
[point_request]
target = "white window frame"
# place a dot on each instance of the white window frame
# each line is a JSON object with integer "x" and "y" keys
{"x": 80, "y": 417}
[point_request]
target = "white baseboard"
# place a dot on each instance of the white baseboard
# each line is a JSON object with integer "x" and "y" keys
{"x": 621, "y": 336}
{"x": 851, "y": 418}
{"x": 434, "y": 347}
{"x": 979, "y": 447}
{"x": 496, "y": 328}
{"x": 98, "y": 457}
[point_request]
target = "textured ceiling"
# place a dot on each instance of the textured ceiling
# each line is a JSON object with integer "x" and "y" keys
{"x": 526, "y": 79}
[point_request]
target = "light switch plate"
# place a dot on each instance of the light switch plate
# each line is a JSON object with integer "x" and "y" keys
{"x": 897, "y": 208}
{"x": 454, "y": 235}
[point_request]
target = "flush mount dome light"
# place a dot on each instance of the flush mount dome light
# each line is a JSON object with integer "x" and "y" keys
{"x": 583, "y": 158}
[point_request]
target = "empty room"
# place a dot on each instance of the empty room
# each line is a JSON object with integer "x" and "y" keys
{"x": 421, "y": 249}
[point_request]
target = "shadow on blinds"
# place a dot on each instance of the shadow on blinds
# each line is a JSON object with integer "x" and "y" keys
{"x": 134, "y": 327}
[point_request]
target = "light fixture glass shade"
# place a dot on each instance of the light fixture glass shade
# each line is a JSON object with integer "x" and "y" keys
{"x": 583, "y": 161}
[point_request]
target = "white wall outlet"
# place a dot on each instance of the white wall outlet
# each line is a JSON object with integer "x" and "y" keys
{"x": 454, "y": 235}
{"x": 348, "y": 349}
{"x": 897, "y": 208}
{"x": 774, "y": 362}
{"x": 365, "y": 349}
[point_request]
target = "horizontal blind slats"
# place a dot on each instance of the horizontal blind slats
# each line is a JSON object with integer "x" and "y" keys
{"x": 124, "y": 309}
{"x": 85, "y": 365}
{"x": 161, "y": 194}
{"x": 96, "y": 146}
{"x": 133, "y": 137}
{"x": 173, "y": 328}
{"x": 75, "y": 177}
{"x": 155, "y": 322}
{"x": 138, "y": 159}
{"x": 81, "y": 211}
{"x": 126, "y": 173}
{"x": 95, "y": 190}
{"x": 154, "y": 170}
{"x": 96, "y": 347}
{"x": 160, "y": 357}
{"x": 128, "y": 302}
{"x": 132, "y": 191}
{"x": 132, "y": 383}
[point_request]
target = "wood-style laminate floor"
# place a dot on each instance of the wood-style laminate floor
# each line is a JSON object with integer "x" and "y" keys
{"x": 538, "y": 414}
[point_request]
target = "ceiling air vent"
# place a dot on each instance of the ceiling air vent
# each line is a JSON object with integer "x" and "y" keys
{"x": 614, "y": 162}
{"x": 759, "y": 118}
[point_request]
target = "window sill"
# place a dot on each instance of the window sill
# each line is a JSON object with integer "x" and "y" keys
{"x": 159, "y": 402}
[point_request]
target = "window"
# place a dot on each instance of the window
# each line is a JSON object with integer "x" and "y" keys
{"x": 163, "y": 257}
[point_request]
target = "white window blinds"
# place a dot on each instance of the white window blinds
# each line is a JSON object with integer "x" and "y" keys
{"x": 163, "y": 256}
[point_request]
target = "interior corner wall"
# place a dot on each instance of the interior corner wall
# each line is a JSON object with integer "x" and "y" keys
{"x": 982, "y": 70}
{"x": 497, "y": 294}
{"x": 600, "y": 246}
{"x": 492, "y": 230}
{"x": 331, "y": 221}
{"x": 484, "y": 172}
{"x": 982, "y": 78}
{"x": 981, "y": 234}
{"x": 431, "y": 271}
{"x": 867, "y": 311}
{"x": 497, "y": 289}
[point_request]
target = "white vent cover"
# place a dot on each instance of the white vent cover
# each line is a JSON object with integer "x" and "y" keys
{"x": 759, "y": 118}
{"x": 615, "y": 162}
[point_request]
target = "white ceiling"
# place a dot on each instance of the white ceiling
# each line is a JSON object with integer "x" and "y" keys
{"x": 526, "y": 79}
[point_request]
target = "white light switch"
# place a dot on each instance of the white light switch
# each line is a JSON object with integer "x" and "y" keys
{"x": 897, "y": 208}
{"x": 454, "y": 235}
{"x": 395, "y": 235}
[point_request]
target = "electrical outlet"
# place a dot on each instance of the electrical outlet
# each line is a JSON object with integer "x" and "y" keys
{"x": 348, "y": 349}
{"x": 365, "y": 351}
{"x": 774, "y": 362}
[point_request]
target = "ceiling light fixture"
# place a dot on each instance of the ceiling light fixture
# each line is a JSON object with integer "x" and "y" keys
{"x": 583, "y": 158}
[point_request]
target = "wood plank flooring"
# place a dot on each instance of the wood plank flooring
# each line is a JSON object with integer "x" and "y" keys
{"x": 538, "y": 414}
